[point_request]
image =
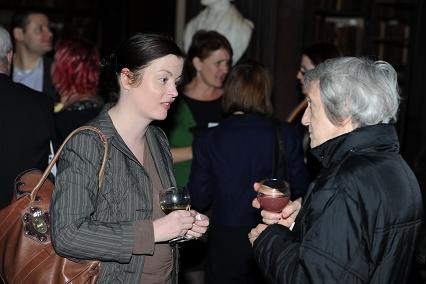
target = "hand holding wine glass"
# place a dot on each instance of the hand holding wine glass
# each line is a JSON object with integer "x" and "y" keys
{"x": 200, "y": 225}
{"x": 286, "y": 215}
{"x": 178, "y": 221}
{"x": 273, "y": 194}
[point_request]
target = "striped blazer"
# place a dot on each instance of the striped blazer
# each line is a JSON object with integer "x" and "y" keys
{"x": 108, "y": 235}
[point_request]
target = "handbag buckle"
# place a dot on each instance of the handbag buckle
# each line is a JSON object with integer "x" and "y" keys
{"x": 36, "y": 224}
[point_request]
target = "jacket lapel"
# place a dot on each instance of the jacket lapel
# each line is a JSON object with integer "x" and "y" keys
{"x": 160, "y": 158}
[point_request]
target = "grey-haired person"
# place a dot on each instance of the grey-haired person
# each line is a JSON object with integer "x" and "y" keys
{"x": 359, "y": 221}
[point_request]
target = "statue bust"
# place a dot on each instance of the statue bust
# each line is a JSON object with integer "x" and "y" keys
{"x": 223, "y": 17}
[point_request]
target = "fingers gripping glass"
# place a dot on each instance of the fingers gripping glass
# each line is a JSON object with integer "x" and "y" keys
{"x": 175, "y": 198}
{"x": 273, "y": 195}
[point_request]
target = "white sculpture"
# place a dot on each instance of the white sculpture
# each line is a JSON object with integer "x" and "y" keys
{"x": 223, "y": 17}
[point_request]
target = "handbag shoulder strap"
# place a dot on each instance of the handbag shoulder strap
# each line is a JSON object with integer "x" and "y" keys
{"x": 279, "y": 151}
{"x": 56, "y": 157}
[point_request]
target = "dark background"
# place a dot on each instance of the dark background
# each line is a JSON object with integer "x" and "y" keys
{"x": 391, "y": 30}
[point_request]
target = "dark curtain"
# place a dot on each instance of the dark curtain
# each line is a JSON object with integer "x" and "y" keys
{"x": 113, "y": 27}
{"x": 414, "y": 138}
{"x": 120, "y": 19}
{"x": 276, "y": 42}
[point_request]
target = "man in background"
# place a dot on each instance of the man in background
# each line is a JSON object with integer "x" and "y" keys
{"x": 26, "y": 125}
{"x": 33, "y": 39}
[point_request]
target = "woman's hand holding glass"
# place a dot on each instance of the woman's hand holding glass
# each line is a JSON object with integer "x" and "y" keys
{"x": 180, "y": 223}
{"x": 173, "y": 225}
{"x": 199, "y": 227}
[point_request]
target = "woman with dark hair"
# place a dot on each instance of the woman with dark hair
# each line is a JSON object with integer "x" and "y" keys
{"x": 122, "y": 224}
{"x": 227, "y": 161}
{"x": 312, "y": 55}
{"x": 206, "y": 67}
{"x": 75, "y": 75}
{"x": 199, "y": 107}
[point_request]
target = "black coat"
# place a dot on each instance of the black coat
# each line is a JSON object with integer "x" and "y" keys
{"x": 359, "y": 220}
{"x": 26, "y": 127}
{"x": 48, "y": 87}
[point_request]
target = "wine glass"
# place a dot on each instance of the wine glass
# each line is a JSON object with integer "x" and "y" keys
{"x": 273, "y": 194}
{"x": 175, "y": 198}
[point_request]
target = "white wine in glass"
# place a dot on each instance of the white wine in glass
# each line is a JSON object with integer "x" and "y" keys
{"x": 174, "y": 198}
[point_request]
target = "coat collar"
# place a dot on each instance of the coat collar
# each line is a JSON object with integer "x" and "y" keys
{"x": 377, "y": 138}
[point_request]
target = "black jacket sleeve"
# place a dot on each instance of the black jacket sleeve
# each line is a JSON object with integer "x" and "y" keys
{"x": 276, "y": 251}
{"x": 334, "y": 248}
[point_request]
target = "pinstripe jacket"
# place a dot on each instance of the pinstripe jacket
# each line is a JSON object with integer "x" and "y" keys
{"x": 126, "y": 196}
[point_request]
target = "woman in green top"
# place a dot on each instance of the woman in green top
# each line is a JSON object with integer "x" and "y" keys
{"x": 199, "y": 106}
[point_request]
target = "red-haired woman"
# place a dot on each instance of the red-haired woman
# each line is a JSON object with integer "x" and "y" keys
{"x": 75, "y": 75}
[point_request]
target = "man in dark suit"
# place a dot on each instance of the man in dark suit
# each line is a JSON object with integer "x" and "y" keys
{"x": 26, "y": 125}
{"x": 33, "y": 39}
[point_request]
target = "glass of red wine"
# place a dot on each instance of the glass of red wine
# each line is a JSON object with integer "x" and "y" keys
{"x": 273, "y": 194}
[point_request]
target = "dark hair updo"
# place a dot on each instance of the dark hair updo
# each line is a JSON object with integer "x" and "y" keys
{"x": 135, "y": 54}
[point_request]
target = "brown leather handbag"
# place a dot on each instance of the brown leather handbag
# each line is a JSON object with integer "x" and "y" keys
{"x": 26, "y": 253}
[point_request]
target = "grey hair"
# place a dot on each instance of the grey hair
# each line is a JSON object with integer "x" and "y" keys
{"x": 5, "y": 42}
{"x": 365, "y": 90}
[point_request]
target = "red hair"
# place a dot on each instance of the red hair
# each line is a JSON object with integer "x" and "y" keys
{"x": 75, "y": 73}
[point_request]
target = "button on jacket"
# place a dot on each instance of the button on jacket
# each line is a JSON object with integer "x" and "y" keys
{"x": 126, "y": 196}
{"x": 359, "y": 220}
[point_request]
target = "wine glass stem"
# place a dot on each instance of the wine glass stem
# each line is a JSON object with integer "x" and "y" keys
{"x": 175, "y": 253}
